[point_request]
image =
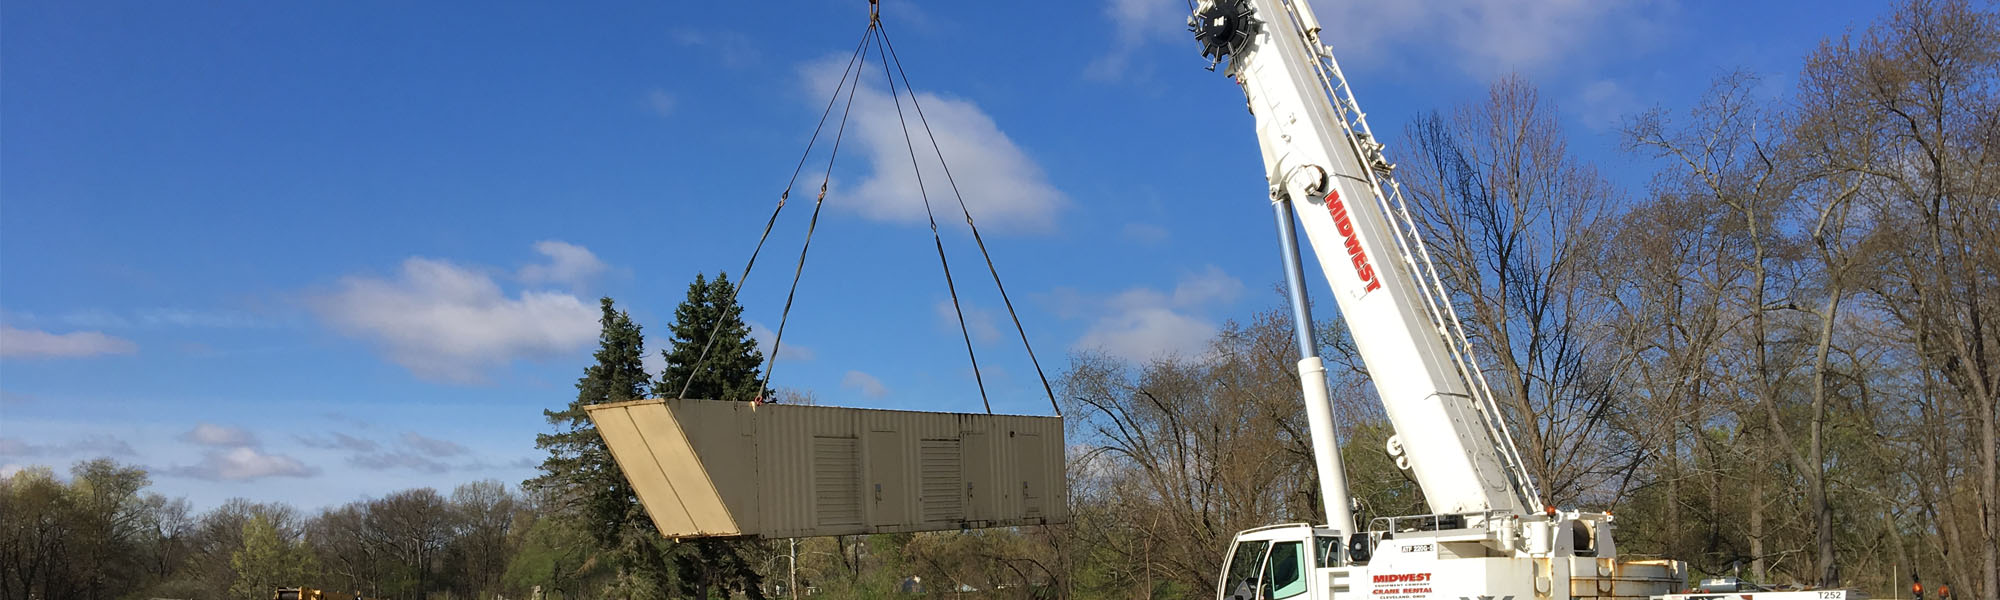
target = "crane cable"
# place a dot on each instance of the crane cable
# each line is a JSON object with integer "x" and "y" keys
{"x": 839, "y": 133}
{"x": 855, "y": 65}
{"x": 990, "y": 268}
{"x": 936, "y": 239}
{"x": 744, "y": 279}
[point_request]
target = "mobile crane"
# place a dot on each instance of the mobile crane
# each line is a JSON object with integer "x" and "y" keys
{"x": 1489, "y": 535}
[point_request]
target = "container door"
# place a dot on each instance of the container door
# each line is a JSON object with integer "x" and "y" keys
{"x": 1032, "y": 473}
{"x": 885, "y": 479}
{"x": 980, "y": 480}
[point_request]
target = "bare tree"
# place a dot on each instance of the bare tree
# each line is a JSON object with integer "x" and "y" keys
{"x": 1513, "y": 219}
{"x": 1911, "y": 112}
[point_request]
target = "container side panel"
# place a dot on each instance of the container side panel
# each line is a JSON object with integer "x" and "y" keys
{"x": 722, "y": 440}
{"x": 642, "y": 468}
{"x": 685, "y": 468}
{"x": 784, "y": 472}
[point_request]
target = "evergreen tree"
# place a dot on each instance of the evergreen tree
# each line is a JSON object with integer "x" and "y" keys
{"x": 731, "y": 371}
{"x": 579, "y": 470}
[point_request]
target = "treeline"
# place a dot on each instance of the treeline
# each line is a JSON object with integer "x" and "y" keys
{"x": 100, "y": 535}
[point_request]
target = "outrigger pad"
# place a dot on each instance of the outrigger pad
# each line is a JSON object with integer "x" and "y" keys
{"x": 708, "y": 468}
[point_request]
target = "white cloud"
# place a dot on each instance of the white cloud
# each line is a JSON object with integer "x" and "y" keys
{"x": 1142, "y": 323}
{"x": 210, "y": 434}
{"x": 1004, "y": 188}
{"x": 765, "y": 336}
{"x": 30, "y": 343}
{"x": 451, "y": 323}
{"x": 569, "y": 265}
{"x": 981, "y": 323}
{"x": 867, "y": 384}
{"x": 242, "y": 464}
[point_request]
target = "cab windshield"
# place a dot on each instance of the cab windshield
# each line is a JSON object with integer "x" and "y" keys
{"x": 1240, "y": 581}
{"x": 1263, "y": 570}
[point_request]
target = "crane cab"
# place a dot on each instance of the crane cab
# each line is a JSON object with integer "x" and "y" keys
{"x": 1280, "y": 562}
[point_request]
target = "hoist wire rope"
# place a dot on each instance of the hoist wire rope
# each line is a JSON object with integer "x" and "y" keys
{"x": 744, "y": 278}
{"x": 990, "y": 268}
{"x": 936, "y": 239}
{"x": 778, "y": 337}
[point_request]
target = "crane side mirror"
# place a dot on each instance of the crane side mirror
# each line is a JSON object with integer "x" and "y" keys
{"x": 1358, "y": 549}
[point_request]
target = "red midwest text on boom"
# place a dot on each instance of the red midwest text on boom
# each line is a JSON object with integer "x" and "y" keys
{"x": 1355, "y": 254}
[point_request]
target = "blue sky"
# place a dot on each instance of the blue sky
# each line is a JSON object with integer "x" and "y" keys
{"x": 318, "y": 252}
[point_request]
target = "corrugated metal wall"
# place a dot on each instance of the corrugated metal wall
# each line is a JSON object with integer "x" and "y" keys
{"x": 794, "y": 471}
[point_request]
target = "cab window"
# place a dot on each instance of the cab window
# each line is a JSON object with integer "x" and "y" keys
{"x": 1285, "y": 571}
{"x": 1326, "y": 551}
{"x": 1240, "y": 581}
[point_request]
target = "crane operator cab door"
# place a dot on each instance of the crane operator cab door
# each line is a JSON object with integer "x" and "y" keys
{"x": 1276, "y": 563}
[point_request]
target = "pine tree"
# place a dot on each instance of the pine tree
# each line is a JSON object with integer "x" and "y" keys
{"x": 731, "y": 370}
{"x": 579, "y": 468}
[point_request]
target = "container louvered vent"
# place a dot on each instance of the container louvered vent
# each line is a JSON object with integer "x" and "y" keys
{"x": 942, "y": 499}
{"x": 837, "y": 481}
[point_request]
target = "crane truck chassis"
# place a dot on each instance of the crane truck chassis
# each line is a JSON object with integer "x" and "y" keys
{"x": 1491, "y": 538}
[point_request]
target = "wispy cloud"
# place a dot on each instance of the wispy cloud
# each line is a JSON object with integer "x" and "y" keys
{"x": 411, "y": 451}
{"x": 94, "y": 445}
{"x": 980, "y": 322}
{"x": 32, "y": 343}
{"x": 661, "y": 101}
{"x": 1481, "y": 38}
{"x": 793, "y": 350}
{"x": 432, "y": 446}
{"x": 568, "y": 264}
{"x": 1135, "y": 24}
{"x": 1144, "y": 323}
{"x": 730, "y": 49}
{"x": 210, "y": 434}
{"x": 242, "y": 463}
{"x": 1144, "y": 233}
{"x": 867, "y": 384}
{"x": 339, "y": 441}
{"x": 451, "y": 323}
{"x": 1004, "y": 188}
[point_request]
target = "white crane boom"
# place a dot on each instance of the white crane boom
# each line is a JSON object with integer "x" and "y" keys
{"x": 1319, "y": 156}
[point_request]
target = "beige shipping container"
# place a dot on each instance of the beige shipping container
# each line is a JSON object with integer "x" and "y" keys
{"x": 706, "y": 468}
